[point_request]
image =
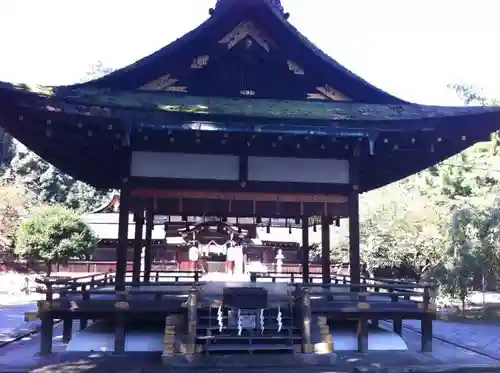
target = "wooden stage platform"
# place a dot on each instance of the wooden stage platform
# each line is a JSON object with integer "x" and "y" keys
{"x": 190, "y": 300}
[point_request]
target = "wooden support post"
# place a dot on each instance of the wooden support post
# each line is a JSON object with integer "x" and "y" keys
{"x": 148, "y": 255}
{"x": 121, "y": 251}
{"x": 136, "y": 269}
{"x": 426, "y": 323}
{"x": 84, "y": 321}
{"x": 120, "y": 307}
{"x": 353, "y": 210}
{"x": 47, "y": 323}
{"x": 67, "y": 329}
{"x": 362, "y": 334}
{"x": 192, "y": 321}
{"x": 397, "y": 324}
{"x": 67, "y": 320}
{"x": 426, "y": 330}
{"x": 306, "y": 321}
{"x": 46, "y": 330}
{"x": 325, "y": 250}
{"x": 305, "y": 249}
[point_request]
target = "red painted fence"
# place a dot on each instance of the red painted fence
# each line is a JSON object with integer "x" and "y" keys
{"x": 82, "y": 266}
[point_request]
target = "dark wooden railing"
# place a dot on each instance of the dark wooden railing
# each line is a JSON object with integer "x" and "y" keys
{"x": 166, "y": 292}
{"x": 372, "y": 300}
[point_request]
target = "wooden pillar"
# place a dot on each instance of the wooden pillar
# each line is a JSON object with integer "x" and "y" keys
{"x": 47, "y": 323}
{"x": 121, "y": 306}
{"x": 192, "y": 320}
{"x": 305, "y": 249}
{"x": 47, "y": 333}
{"x": 306, "y": 321}
{"x": 426, "y": 323}
{"x": 121, "y": 251}
{"x": 325, "y": 250}
{"x": 353, "y": 209}
{"x": 67, "y": 328}
{"x": 136, "y": 270}
{"x": 148, "y": 255}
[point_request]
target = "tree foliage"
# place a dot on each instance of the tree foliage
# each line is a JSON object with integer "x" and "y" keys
{"x": 442, "y": 223}
{"x": 55, "y": 234}
{"x": 401, "y": 227}
{"x": 50, "y": 185}
{"x": 15, "y": 203}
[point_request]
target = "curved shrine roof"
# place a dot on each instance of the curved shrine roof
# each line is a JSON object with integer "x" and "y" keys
{"x": 85, "y": 132}
{"x": 244, "y": 49}
{"x": 245, "y": 78}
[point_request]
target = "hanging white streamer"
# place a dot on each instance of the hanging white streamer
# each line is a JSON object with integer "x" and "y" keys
{"x": 240, "y": 324}
{"x": 220, "y": 318}
{"x": 279, "y": 319}
{"x": 261, "y": 319}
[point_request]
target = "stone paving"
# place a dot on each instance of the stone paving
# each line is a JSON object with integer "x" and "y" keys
{"x": 12, "y": 324}
{"x": 22, "y": 357}
{"x": 482, "y": 338}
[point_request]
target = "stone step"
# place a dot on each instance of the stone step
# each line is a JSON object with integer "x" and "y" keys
{"x": 257, "y": 314}
{"x": 225, "y": 322}
{"x": 259, "y": 338}
{"x": 249, "y": 348}
{"x": 225, "y": 317}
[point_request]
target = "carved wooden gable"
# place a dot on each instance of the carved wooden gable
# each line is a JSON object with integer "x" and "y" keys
{"x": 246, "y": 62}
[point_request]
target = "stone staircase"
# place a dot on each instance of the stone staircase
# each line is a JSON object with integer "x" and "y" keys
{"x": 229, "y": 330}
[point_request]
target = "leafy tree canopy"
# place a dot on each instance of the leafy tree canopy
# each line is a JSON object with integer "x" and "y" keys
{"x": 15, "y": 202}
{"x": 49, "y": 185}
{"x": 55, "y": 234}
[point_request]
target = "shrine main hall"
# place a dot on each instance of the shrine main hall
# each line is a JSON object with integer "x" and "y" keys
{"x": 241, "y": 118}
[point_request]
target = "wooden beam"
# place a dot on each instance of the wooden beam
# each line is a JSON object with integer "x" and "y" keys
{"x": 136, "y": 269}
{"x": 121, "y": 250}
{"x": 148, "y": 257}
{"x": 305, "y": 250}
{"x": 325, "y": 250}
{"x": 239, "y": 196}
{"x": 353, "y": 207}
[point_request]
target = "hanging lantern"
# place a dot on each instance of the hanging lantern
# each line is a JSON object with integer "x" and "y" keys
{"x": 193, "y": 253}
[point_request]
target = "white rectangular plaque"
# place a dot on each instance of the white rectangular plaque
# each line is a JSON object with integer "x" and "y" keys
{"x": 184, "y": 166}
{"x": 298, "y": 170}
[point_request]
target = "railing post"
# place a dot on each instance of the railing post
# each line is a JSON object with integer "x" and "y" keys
{"x": 192, "y": 320}
{"x": 305, "y": 303}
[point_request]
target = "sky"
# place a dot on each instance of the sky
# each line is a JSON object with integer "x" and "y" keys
{"x": 410, "y": 48}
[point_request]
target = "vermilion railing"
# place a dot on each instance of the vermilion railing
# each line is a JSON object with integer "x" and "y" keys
{"x": 83, "y": 266}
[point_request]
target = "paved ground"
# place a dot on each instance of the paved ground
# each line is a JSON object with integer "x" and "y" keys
{"x": 12, "y": 324}
{"x": 22, "y": 356}
{"x": 483, "y": 339}
{"x": 478, "y": 337}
